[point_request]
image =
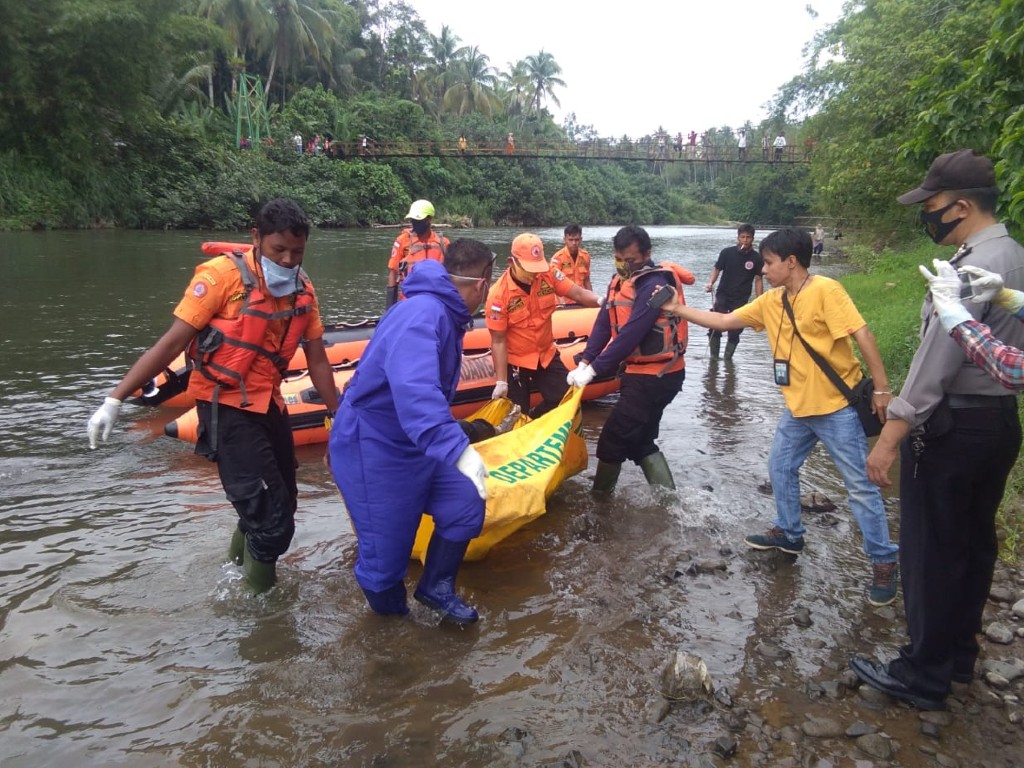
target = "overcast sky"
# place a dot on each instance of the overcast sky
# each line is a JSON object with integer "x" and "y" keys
{"x": 632, "y": 66}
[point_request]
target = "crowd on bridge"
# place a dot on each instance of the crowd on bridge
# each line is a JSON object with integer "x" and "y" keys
{"x": 709, "y": 147}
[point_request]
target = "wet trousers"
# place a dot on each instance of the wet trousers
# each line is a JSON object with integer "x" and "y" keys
{"x": 725, "y": 305}
{"x": 255, "y": 456}
{"x": 387, "y": 488}
{"x": 948, "y": 501}
{"x": 632, "y": 427}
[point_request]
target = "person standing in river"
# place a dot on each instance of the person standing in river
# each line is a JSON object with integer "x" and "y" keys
{"x": 397, "y": 452}
{"x": 412, "y": 245}
{"x": 651, "y": 344}
{"x": 820, "y": 314}
{"x": 242, "y": 319}
{"x": 740, "y": 268}
{"x": 519, "y": 309}
{"x": 957, "y": 434}
{"x": 572, "y": 260}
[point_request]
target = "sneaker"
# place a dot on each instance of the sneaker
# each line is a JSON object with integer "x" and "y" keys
{"x": 885, "y": 578}
{"x": 774, "y": 538}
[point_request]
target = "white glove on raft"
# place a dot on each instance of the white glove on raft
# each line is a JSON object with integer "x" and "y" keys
{"x": 102, "y": 422}
{"x": 945, "y": 288}
{"x": 500, "y": 390}
{"x": 472, "y": 466}
{"x": 580, "y": 376}
{"x": 988, "y": 286}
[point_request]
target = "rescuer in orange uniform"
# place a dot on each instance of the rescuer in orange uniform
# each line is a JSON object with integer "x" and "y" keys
{"x": 518, "y": 310}
{"x": 571, "y": 260}
{"x": 416, "y": 243}
{"x": 242, "y": 318}
{"x": 651, "y": 343}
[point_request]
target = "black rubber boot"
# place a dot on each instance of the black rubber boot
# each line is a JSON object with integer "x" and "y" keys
{"x": 437, "y": 584}
{"x": 605, "y": 478}
{"x": 730, "y": 349}
{"x": 236, "y": 549}
{"x": 714, "y": 345}
{"x": 656, "y": 470}
{"x": 260, "y": 575}
{"x": 388, "y": 602}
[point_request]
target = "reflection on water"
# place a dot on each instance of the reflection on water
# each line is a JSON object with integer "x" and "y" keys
{"x": 128, "y": 640}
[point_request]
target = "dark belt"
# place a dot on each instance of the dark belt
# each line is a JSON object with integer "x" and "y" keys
{"x": 996, "y": 402}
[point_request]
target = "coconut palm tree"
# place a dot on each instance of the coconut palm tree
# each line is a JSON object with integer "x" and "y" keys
{"x": 303, "y": 30}
{"x": 473, "y": 86}
{"x": 543, "y": 72}
{"x": 515, "y": 88}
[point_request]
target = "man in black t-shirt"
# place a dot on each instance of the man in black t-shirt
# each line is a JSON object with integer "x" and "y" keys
{"x": 740, "y": 267}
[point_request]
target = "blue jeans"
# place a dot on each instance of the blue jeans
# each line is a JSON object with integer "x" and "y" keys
{"x": 843, "y": 436}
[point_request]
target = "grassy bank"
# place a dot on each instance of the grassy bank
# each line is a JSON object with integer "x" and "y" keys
{"x": 888, "y": 294}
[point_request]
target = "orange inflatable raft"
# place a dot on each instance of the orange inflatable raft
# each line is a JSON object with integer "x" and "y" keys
{"x": 306, "y": 411}
{"x": 344, "y": 343}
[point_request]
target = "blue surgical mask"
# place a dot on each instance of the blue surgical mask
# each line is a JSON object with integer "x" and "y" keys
{"x": 281, "y": 281}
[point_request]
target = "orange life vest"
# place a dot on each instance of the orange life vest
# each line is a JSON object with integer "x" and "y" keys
{"x": 225, "y": 350}
{"x": 662, "y": 350}
{"x": 417, "y": 250}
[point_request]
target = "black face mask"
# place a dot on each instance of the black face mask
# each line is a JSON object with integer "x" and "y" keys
{"x": 419, "y": 226}
{"x": 937, "y": 229}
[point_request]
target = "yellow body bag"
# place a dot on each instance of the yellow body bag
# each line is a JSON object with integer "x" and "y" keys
{"x": 526, "y": 466}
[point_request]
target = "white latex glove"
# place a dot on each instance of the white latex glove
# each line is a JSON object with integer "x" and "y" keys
{"x": 472, "y": 466}
{"x": 500, "y": 390}
{"x": 102, "y": 422}
{"x": 580, "y": 376}
{"x": 945, "y": 288}
{"x": 988, "y": 286}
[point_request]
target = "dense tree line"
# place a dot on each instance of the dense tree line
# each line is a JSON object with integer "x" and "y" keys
{"x": 893, "y": 84}
{"x": 125, "y": 112}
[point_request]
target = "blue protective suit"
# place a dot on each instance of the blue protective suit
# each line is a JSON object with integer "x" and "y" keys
{"x": 395, "y": 442}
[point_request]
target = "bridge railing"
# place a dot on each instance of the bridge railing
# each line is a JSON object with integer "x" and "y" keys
{"x": 597, "y": 149}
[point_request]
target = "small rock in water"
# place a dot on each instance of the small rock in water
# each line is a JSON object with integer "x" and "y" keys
{"x": 724, "y": 746}
{"x": 685, "y": 677}
{"x": 816, "y": 502}
{"x": 772, "y": 651}
{"x": 876, "y": 745}
{"x": 859, "y": 729}
{"x": 822, "y": 728}
{"x": 802, "y": 617}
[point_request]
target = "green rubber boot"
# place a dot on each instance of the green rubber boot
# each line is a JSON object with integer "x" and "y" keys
{"x": 236, "y": 549}
{"x": 261, "y": 576}
{"x": 605, "y": 478}
{"x": 656, "y": 470}
{"x": 730, "y": 349}
{"x": 715, "y": 345}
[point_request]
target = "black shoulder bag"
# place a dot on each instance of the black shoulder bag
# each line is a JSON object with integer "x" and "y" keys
{"x": 859, "y": 397}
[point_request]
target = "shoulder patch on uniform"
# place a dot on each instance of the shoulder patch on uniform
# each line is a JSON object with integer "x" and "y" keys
{"x": 557, "y": 274}
{"x": 199, "y": 289}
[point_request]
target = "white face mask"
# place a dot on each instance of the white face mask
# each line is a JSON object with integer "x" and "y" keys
{"x": 281, "y": 281}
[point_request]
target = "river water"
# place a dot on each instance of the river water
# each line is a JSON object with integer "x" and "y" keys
{"x": 125, "y": 639}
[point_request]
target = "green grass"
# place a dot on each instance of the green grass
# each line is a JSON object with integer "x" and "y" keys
{"x": 888, "y": 294}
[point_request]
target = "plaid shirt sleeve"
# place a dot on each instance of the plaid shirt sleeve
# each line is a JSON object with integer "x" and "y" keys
{"x": 1002, "y": 362}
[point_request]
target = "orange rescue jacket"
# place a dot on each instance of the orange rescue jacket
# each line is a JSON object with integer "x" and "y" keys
{"x": 662, "y": 351}
{"x": 236, "y": 357}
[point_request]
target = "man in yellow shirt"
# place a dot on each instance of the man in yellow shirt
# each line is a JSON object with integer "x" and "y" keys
{"x": 816, "y": 410}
